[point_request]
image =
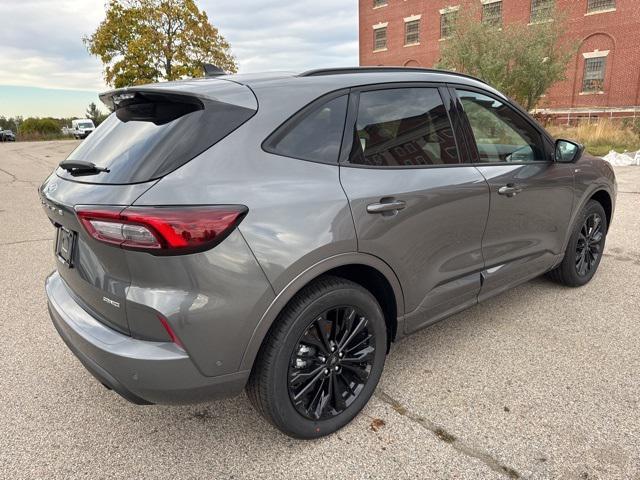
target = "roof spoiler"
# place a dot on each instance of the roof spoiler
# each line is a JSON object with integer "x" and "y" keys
{"x": 123, "y": 97}
{"x": 211, "y": 70}
{"x": 150, "y": 104}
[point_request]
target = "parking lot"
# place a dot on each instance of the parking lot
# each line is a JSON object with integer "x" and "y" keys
{"x": 539, "y": 382}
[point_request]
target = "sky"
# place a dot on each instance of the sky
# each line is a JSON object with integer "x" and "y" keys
{"x": 45, "y": 69}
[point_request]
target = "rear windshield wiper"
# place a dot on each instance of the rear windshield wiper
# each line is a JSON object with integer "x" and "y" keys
{"x": 79, "y": 167}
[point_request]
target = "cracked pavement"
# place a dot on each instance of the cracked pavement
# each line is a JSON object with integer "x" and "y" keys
{"x": 540, "y": 382}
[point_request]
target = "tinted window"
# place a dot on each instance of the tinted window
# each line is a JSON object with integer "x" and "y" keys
{"x": 501, "y": 134}
{"x": 314, "y": 135}
{"x": 403, "y": 127}
{"x": 155, "y": 133}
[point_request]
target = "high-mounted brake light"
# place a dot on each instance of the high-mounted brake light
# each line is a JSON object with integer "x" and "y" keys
{"x": 162, "y": 230}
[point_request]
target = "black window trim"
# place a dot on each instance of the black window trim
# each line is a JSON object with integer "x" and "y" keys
{"x": 547, "y": 141}
{"x": 352, "y": 113}
{"x": 285, "y": 127}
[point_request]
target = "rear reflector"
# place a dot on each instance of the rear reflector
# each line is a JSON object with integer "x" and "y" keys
{"x": 162, "y": 230}
{"x": 170, "y": 331}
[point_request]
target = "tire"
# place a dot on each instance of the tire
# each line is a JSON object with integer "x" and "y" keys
{"x": 293, "y": 349}
{"x": 572, "y": 272}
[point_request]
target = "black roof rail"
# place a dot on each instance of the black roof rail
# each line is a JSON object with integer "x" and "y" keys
{"x": 348, "y": 70}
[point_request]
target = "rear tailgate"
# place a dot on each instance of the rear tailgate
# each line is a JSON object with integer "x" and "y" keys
{"x": 96, "y": 274}
{"x": 153, "y": 131}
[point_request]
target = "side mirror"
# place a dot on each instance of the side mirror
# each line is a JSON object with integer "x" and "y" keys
{"x": 568, "y": 151}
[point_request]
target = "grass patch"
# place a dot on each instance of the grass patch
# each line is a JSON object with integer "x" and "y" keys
{"x": 37, "y": 137}
{"x": 602, "y": 136}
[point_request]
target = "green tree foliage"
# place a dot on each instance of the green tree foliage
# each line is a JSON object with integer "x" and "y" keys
{"x": 144, "y": 41}
{"x": 94, "y": 113}
{"x": 40, "y": 126}
{"x": 8, "y": 124}
{"x": 521, "y": 60}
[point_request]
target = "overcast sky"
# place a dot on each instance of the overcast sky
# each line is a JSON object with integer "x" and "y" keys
{"x": 41, "y": 45}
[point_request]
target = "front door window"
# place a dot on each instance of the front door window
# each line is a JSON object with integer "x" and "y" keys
{"x": 501, "y": 134}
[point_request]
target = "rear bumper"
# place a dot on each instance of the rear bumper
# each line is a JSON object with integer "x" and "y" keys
{"x": 142, "y": 372}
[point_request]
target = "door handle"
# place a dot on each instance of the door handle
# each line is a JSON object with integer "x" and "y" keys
{"x": 383, "y": 207}
{"x": 509, "y": 190}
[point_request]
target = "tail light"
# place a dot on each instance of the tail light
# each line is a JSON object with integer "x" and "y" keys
{"x": 162, "y": 230}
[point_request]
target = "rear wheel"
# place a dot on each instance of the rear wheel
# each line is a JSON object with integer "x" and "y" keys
{"x": 585, "y": 248}
{"x": 321, "y": 362}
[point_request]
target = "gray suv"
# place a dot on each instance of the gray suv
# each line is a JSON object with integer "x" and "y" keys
{"x": 278, "y": 232}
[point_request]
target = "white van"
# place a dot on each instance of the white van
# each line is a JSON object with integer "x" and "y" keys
{"x": 81, "y": 127}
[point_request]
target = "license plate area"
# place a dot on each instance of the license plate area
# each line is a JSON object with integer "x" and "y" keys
{"x": 65, "y": 242}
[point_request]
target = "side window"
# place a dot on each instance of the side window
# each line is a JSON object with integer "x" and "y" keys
{"x": 314, "y": 135}
{"x": 403, "y": 127}
{"x": 501, "y": 134}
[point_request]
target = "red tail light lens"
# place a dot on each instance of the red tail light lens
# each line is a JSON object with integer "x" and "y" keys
{"x": 162, "y": 230}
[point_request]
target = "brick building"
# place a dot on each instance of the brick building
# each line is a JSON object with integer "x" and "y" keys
{"x": 603, "y": 78}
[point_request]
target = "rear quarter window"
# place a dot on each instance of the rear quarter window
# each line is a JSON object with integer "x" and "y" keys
{"x": 313, "y": 134}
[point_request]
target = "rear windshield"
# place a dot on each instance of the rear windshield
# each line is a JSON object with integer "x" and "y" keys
{"x": 157, "y": 134}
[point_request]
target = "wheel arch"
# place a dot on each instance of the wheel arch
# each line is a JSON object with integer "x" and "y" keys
{"x": 367, "y": 270}
{"x": 604, "y": 198}
{"x": 602, "y": 195}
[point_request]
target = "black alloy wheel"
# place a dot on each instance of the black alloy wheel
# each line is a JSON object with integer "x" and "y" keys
{"x": 331, "y": 363}
{"x": 585, "y": 247}
{"x": 322, "y": 359}
{"x": 589, "y": 245}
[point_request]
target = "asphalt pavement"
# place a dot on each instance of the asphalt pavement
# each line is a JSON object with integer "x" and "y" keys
{"x": 541, "y": 382}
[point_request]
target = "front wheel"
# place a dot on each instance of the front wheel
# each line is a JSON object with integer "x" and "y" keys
{"x": 585, "y": 248}
{"x": 321, "y": 361}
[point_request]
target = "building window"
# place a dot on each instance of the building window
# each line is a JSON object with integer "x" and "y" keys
{"x": 541, "y": 10}
{"x": 379, "y": 3}
{"x": 412, "y": 32}
{"x": 594, "y": 69}
{"x": 598, "y": 5}
{"x": 380, "y": 38}
{"x": 448, "y": 23}
{"x": 492, "y": 13}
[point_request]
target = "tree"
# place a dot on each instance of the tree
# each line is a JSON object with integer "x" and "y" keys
{"x": 8, "y": 124}
{"x": 39, "y": 126}
{"x": 94, "y": 113}
{"x": 523, "y": 61}
{"x": 145, "y": 41}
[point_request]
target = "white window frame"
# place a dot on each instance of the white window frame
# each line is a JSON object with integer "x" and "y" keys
{"x": 590, "y": 55}
{"x": 412, "y": 18}
{"x": 376, "y": 27}
{"x": 601, "y": 10}
{"x": 489, "y": 2}
{"x": 447, "y": 11}
{"x": 533, "y": 21}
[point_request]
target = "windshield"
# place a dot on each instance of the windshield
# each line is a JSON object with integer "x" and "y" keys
{"x": 85, "y": 125}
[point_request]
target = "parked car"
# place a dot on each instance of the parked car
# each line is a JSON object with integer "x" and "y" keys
{"x": 279, "y": 232}
{"x": 81, "y": 128}
{"x": 7, "y": 136}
